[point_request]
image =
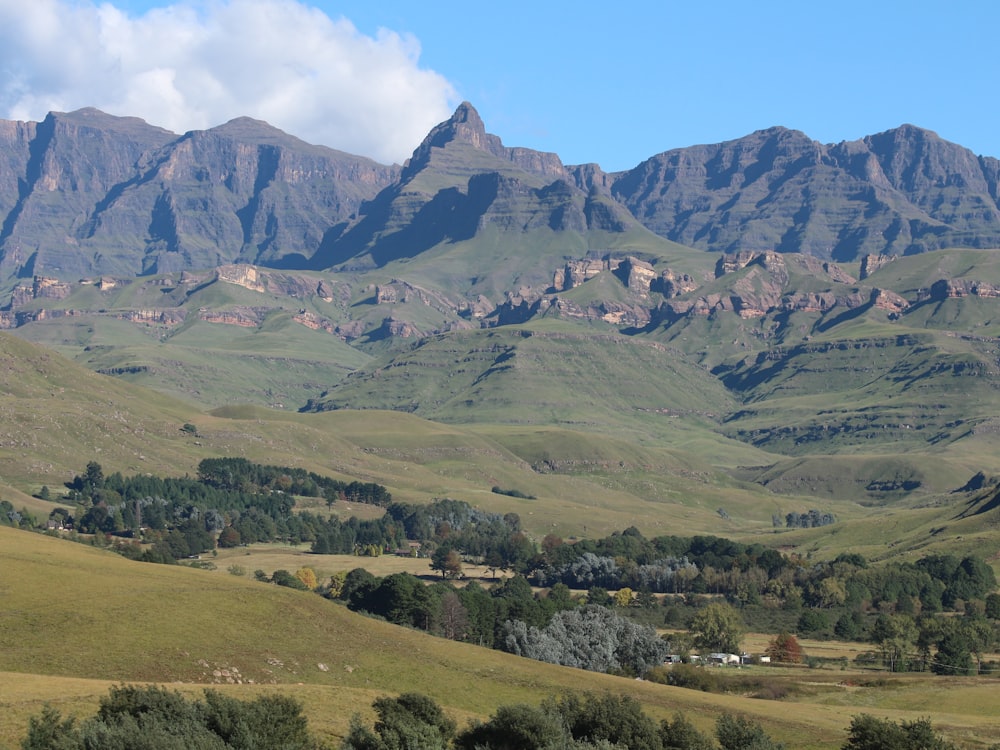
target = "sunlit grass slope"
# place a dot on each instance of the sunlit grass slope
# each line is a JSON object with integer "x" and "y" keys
{"x": 58, "y": 416}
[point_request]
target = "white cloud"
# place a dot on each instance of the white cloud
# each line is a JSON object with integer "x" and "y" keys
{"x": 200, "y": 63}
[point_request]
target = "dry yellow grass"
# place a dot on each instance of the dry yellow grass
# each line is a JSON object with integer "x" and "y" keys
{"x": 272, "y": 557}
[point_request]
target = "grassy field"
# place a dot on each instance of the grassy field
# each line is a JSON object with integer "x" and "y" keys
{"x": 76, "y": 619}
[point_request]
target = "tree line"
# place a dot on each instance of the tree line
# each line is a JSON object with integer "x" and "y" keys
{"x": 155, "y": 718}
{"x": 232, "y": 502}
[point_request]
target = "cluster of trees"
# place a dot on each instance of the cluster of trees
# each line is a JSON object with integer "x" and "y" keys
{"x": 942, "y": 645}
{"x": 231, "y": 502}
{"x": 19, "y": 519}
{"x": 607, "y": 722}
{"x": 471, "y": 613}
{"x": 808, "y": 520}
{"x": 590, "y": 637}
{"x": 153, "y": 717}
{"x": 752, "y": 573}
{"x": 510, "y": 616}
{"x": 239, "y": 474}
{"x": 441, "y": 526}
{"x": 576, "y": 722}
{"x": 234, "y": 501}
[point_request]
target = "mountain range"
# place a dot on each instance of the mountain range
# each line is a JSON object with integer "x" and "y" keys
{"x": 85, "y": 193}
{"x": 811, "y": 318}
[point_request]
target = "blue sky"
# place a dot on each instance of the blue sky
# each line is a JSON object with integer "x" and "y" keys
{"x": 590, "y": 81}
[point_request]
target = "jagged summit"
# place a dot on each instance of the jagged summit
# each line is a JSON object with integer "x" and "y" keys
{"x": 464, "y": 126}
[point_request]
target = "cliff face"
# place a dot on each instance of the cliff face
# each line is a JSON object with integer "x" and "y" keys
{"x": 85, "y": 193}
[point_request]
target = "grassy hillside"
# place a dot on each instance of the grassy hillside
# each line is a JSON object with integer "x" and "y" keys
{"x": 605, "y": 384}
{"x": 58, "y": 416}
{"x": 76, "y": 619}
{"x": 262, "y": 355}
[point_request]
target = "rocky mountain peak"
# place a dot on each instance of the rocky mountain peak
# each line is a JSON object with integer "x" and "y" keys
{"x": 464, "y": 126}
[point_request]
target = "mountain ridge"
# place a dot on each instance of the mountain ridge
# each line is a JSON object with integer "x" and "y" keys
{"x": 87, "y": 193}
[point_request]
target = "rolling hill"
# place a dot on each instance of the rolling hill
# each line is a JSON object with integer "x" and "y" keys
{"x": 76, "y": 620}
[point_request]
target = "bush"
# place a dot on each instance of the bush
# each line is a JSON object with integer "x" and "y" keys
{"x": 694, "y": 678}
{"x": 284, "y": 578}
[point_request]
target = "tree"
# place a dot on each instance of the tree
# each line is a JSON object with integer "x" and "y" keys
{"x": 739, "y": 733}
{"x": 599, "y": 596}
{"x": 153, "y": 717}
{"x": 49, "y": 731}
{"x": 517, "y": 727}
{"x": 284, "y": 578}
{"x": 993, "y": 606}
{"x": 717, "y": 628}
{"x": 615, "y": 719}
{"x": 831, "y": 592}
{"x": 896, "y": 636}
{"x": 229, "y": 537}
{"x": 453, "y": 620}
{"x": 849, "y": 626}
{"x": 308, "y": 577}
{"x": 592, "y": 638}
{"x": 95, "y": 475}
{"x": 681, "y": 734}
{"x": 623, "y": 597}
{"x": 870, "y": 733}
{"x": 410, "y": 721}
{"x": 494, "y": 562}
{"x": 448, "y": 561}
{"x": 784, "y": 648}
{"x": 953, "y": 655}
{"x": 811, "y": 621}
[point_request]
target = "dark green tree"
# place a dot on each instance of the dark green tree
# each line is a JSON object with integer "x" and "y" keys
{"x": 409, "y": 722}
{"x": 517, "y": 727}
{"x": 740, "y": 733}
{"x": 953, "y": 656}
{"x": 153, "y": 718}
{"x": 870, "y": 733}
{"x": 717, "y": 628}
{"x": 615, "y": 719}
{"x": 680, "y": 734}
{"x": 448, "y": 561}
